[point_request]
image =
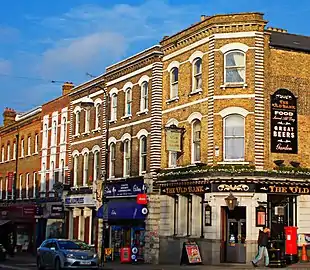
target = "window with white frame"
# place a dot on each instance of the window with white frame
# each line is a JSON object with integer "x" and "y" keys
{"x": 143, "y": 154}
{"x": 43, "y": 178}
{"x": 196, "y": 132}
{"x": 144, "y": 96}
{"x": 52, "y": 176}
{"x": 29, "y": 146}
{"x": 22, "y": 148}
{"x": 34, "y": 184}
{"x": 112, "y": 160}
{"x": 20, "y": 186}
{"x": 62, "y": 170}
{"x": 45, "y": 132}
{"x": 14, "y": 150}
{"x": 8, "y": 152}
{"x": 27, "y": 185}
{"x": 54, "y": 132}
{"x": 113, "y": 107}
{"x": 2, "y": 154}
{"x": 64, "y": 129}
{"x": 97, "y": 118}
{"x": 128, "y": 101}
{"x": 77, "y": 122}
{"x": 85, "y": 169}
{"x": 197, "y": 74}
{"x": 96, "y": 165}
{"x": 127, "y": 157}
{"x": 75, "y": 170}
{"x": 234, "y": 138}
{"x": 173, "y": 159}
{"x": 36, "y": 143}
{"x": 234, "y": 67}
{"x": 87, "y": 120}
{"x": 174, "y": 83}
{"x": 7, "y": 187}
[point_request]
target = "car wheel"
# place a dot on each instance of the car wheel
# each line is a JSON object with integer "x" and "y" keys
{"x": 39, "y": 264}
{"x": 57, "y": 264}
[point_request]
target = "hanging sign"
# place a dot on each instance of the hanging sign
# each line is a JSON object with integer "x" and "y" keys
{"x": 173, "y": 140}
{"x": 283, "y": 122}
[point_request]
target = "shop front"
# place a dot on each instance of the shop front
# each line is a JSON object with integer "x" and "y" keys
{"x": 81, "y": 217}
{"x": 224, "y": 215}
{"x": 125, "y": 216}
{"x": 18, "y": 227}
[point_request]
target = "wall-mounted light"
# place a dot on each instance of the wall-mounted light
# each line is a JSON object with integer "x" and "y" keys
{"x": 279, "y": 162}
{"x": 295, "y": 164}
{"x": 231, "y": 201}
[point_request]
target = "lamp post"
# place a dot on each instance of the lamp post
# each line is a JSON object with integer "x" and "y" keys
{"x": 87, "y": 103}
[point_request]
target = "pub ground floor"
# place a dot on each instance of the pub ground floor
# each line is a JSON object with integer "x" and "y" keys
{"x": 226, "y": 217}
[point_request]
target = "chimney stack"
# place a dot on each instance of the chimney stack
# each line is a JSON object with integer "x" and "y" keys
{"x": 275, "y": 29}
{"x": 67, "y": 87}
{"x": 9, "y": 116}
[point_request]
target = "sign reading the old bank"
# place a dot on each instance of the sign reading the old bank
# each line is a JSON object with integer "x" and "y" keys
{"x": 283, "y": 122}
{"x": 277, "y": 189}
{"x": 186, "y": 187}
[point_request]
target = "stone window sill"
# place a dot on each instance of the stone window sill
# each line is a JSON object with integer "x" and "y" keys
{"x": 232, "y": 162}
{"x": 129, "y": 116}
{"x": 174, "y": 99}
{"x": 195, "y": 92}
{"x": 113, "y": 121}
{"x": 233, "y": 85}
{"x": 143, "y": 112}
{"x": 96, "y": 130}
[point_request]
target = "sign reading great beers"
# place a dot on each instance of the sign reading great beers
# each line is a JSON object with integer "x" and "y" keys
{"x": 283, "y": 122}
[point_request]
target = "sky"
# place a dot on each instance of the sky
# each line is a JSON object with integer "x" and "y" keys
{"x": 63, "y": 40}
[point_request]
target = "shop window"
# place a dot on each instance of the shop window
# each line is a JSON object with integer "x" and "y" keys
{"x": 8, "y": 152}
{"x": 75, "y": 170}
{"x": 112, "y": 160}
{"x": 234, "y": 67}
{"x": 197, "y": 74}
{"x": 29, "y": 146}
{"x": 128, "y": 101}
{"x": 174, "y": 83}
{"x": 143, "y": 154}
{"x": 113, "y": 107}
{"x": 85, "y": 169}
{"x": 196, "y": 132}
{"x": 127, "y": 157}
{"x": 144, "y": 96}
{"x": 96, "y": 165}
{"x": 234, "y": 138}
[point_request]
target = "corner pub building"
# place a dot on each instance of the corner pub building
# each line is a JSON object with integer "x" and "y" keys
{"x": 235, "y": 150}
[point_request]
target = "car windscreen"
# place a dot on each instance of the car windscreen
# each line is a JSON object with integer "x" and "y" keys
{"x": 72, "y": 245}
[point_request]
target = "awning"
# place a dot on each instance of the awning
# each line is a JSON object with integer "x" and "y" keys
{"x": 123, "y": 210}
{"x": 4, "y": 221}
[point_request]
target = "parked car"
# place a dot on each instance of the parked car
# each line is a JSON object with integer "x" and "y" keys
{"x": 66, "y": 254}
{"x": 3, "y": 253}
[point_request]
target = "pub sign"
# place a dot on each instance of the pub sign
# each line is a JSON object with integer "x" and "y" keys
{"x": 283, "y": 122}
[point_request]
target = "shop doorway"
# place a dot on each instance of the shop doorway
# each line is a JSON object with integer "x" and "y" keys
{"x": 233, "y": 235}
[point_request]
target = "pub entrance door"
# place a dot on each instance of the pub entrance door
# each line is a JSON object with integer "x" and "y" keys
{"x": 236, "y": 235}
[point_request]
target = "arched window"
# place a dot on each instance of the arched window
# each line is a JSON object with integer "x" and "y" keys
{"x": 114, "y": 107}
{"x": 234, "y": 137}
{"x": 75, "y": 170}
{"x": 54, "y": 132}
{"x": 96, "y": 165}
{"x": 77, "y": 122}
{"x": 174, "y": 82}
{"x": 128, "y": 101}
{"x": 112, "y": 160}
{"x": 127, "y": 158}
{"x": 34, "y": 185}
{"x": 2, "y": 153}
{"x": 197, "y": 74}
{"x": 43, "y": 178}
{"x": 64, "y": 129}
{"x": 62, "y": 171}
{"x": 85, "y": 169}
{"x": 87, "y": 120}
{"x": 27, "y": 185}
{"x": 14, "y": 150}
{"x": 196, "y": 132}
{"x": 29, "y": 146}
{"x": 143, "y": 154}
{"x": 20, "y": 186}
{"x": 52, "y": 176}
{"x": 8, "y": 151}
{"x": 234, "y": 67}
{"x": 97, "y": 119}
{"x": 36, "y": 143}
{"x": 144, "y": 96}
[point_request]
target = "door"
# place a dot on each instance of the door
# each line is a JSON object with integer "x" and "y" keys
{"x": 236, "y": 236}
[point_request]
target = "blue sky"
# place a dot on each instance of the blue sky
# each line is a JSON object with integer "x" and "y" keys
{"x": 62, "y": 40}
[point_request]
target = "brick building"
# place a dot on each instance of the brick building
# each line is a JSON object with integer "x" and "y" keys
{"x": 54, "y": 169}
{"x": 20, "y": 149}
{"x": 235, "y": 150}
{"x": 86, "y": 157}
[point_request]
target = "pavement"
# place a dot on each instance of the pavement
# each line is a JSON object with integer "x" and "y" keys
{"x": 28, "y": 262}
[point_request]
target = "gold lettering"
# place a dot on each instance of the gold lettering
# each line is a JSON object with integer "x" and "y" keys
{"x": 271, "y": 188}
{"x": 170, "y": 190}
{"x": 306, "y": 190}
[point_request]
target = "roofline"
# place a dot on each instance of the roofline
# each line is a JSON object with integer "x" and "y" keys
{"x": 85, "y": 85}
{"x": 29, "y": 113}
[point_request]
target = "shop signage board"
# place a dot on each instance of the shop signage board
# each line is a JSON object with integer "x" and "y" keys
{"x": 130, "y": 188}
{"x": 190, "y": 253}
{"x": 283, "y": 119}
{"x": 203, "y": 188}
{"x": 285, "y": 189}
{"x": 57, "y": 211}
{"x": 233, "y": 187}
{"x": 81, "y": 200}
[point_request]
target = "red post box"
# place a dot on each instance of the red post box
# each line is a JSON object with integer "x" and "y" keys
{"x": 291, "y": 250}
{"x": 125, "y": 254}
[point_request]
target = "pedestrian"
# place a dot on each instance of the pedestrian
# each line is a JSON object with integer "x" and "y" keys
{"x": 263, "y": 237}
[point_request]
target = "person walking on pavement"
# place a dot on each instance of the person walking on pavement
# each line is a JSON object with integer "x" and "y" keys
{"x": 262, "y": 247}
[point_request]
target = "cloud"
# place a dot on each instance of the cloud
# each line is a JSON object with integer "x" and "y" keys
{"x": 5, "y": 66}
{"x": 8, "y": 34}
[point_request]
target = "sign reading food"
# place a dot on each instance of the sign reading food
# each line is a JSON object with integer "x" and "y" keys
{"x": 283, "y": 122}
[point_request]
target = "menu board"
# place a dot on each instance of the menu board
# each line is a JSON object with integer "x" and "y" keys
{"x": 283, "y": 122}
{"x": 190, "y": 253}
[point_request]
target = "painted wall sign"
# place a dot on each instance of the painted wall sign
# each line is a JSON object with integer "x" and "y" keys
{"x": 238, "y": 187}
{"x": 130, "y": 188}
{"x": 283, "y": 121}
{"x": 203, "y": 188}
{"x": 282, "y": 189}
